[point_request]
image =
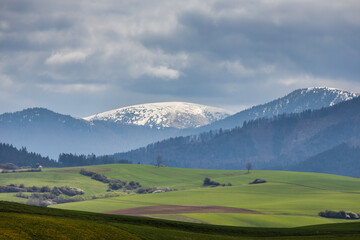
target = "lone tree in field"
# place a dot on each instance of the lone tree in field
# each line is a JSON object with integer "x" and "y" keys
{"x": 248, "y": 167}
{"x": 159, "y": 161}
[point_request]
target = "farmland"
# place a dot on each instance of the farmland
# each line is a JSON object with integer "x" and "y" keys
{"x": 288, "y": 199}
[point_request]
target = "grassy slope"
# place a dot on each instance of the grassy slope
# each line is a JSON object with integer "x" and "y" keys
{"x": 17, "y": 221}
{"x": 54, "y": 177}
{"x": 287, "y": 196}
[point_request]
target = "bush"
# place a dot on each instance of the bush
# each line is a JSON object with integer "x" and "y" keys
{"x": 45, "y": 189}
{"x": 86, "y": 173}
{"x": 8, "y": 166}
{"x": 142, "y": 190}
{"x": 36, "y": 202}
{"x": 145, "y": 190}
{"x": 69, "y": 191}
{"x": 21, "y": 195}
{"x": 114, "y": 184}
{"x": 10, "y": 189}
{"x": 209, "y": 182}
{"x": 258, "y": 180}
{"x": 339, "y": 214}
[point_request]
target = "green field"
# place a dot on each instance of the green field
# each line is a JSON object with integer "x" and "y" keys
{"x": 289, "y": 199}
{"x": 18, "y": 221}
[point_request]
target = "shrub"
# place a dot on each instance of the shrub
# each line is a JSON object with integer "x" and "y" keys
{"x": 86, "y": 173}
{"x": 209, "y": 182}
{"x": 21, "y": 195}
{"x": 142, "y": 190}
{"x": 145, "y": 190}
{"x": 36, "y": 202}
{"x": 258, "y": 180}
{"x": 45, "y": 189}
{"x": 9, "y": 189}
{"x": 8, "y": 166}
{"x": 69, "y": 191}
{"x": 115, "y": 186}
{"x": 339, "y": 214}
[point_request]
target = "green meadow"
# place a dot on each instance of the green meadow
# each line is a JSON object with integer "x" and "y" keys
{"x": 19, "y": 221}
{"x": 288, "y": 199}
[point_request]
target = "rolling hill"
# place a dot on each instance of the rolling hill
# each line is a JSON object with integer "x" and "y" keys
{"x": 288, "y": 199}
{"x": 17, "y": 221}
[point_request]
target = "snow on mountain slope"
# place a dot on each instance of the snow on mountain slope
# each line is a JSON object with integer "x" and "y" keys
{"x": 295, "y": 102}
{"x": 179, "y": 115}
{"x": 303, "y": 99}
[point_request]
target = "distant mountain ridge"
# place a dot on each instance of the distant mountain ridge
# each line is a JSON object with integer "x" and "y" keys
{"x": 278, "y": 143}
{"x": 50, "y": 133}
{"x": 179, "y": 115}
{"x": 295, "y": 102}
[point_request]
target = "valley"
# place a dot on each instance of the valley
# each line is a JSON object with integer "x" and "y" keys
{"x": 192, "y": 184}
{"x": 184, "y": 120}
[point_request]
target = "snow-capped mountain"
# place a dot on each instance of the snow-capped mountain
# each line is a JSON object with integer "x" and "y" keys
{"x": 50, "y": 133}
{"x": 295, "y": 102}
{"x": 306, "y": 142}
{"x": 178, "y": 115}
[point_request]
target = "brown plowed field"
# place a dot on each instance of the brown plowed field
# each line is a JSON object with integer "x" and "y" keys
{"x": 174, "y": 209}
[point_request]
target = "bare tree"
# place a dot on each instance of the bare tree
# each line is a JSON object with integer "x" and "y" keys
{"x": 159, "y": 161}
{"x": 248, "y": 166}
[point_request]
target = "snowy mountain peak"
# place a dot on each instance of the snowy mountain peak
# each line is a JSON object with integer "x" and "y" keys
{"x": 179, "y": 115}
{"x": 294, "y": 102}
{"x": 336, "y": 94}
{"x": 303, "y": 99}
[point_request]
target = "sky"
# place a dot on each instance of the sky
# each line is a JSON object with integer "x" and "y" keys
{"x": 84, "y": 57}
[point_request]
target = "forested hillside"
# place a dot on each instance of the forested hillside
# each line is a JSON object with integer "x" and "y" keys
{"x": 295, "y": 102}
{"x": 343, "y": 159}
{"x": 276, "y": 143}
{"x": 22, "y": 158}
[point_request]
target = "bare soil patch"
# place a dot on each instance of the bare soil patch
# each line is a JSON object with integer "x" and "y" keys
{"x": 174, "y": 209}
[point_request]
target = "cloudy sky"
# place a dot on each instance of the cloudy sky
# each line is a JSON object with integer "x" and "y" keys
{"x": 83, "y": 57}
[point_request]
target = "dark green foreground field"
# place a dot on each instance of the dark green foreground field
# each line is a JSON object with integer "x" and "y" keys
{"x": 18, "y": 221}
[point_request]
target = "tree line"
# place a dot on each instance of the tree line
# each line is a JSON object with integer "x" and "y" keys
{"x": 13, "y": 158}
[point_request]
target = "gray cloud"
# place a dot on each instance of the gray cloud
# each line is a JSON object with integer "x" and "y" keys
{"x": 84, "y": 57}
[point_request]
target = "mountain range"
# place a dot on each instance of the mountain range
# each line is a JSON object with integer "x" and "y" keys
{"x": 123, "y": 129}
{"x": 50, "y": 133}
{"x": 295, "y": 102}
{"x": 287, "y": 142}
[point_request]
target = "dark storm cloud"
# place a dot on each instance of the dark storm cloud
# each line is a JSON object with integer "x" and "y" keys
{"x": 331, "y": 50}
{"x": 82, "y": 57}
